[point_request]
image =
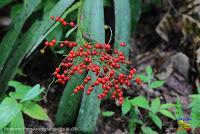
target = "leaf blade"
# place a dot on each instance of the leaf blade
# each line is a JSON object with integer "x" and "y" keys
{"x": 30, "y": 40}
{"x": 35, "y": 111}
{"x": 93, "y": 23}
{"x": 167, "y": 113}
{"x": 156, "y": 84}
{"x": 18, "y": 124}
{"x": 32, "y": 93}
{"x": 126, "y": 107}
{"x": 155, "y": 105}
{"x": 156, "y": 120}
{"x": 9, "y": 108}
{"x": 9, "y": 39}
{"x": 140, "y": 101}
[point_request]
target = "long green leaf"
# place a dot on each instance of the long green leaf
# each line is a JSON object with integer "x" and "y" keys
{"x": 136, "y": 9}
{"x": 93, "y": 25}
{"x": 4, "y": 3}
{"x": 11, "y": 36}
{"x": 9, "y": 108}
{"x": 69, "y": 104}
{"x": 37, "y": 30}
{"x": 122, "y": 25}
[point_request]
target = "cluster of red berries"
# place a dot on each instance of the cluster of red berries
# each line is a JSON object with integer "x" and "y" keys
{"x": 97, "y": 58}
{"x": 66, "y": 43}
{"x": 62, "y": 21}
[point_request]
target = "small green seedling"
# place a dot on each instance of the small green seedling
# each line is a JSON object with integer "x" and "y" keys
{"x": 22, "y": 100}
{"x": 154, "y": 107}
{"x": 148, "y": 78}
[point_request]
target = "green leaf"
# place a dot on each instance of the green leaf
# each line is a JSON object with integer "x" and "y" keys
{"x": 18, "y": 85}
{"x": 122, "y": 25}
{"x": 31, "y": 39}
{"x": 155, "y": 105}
{"x": 143, "y": 77}
{"x": 9, "y": 109}
{"x": 93, "y": 24}
{"x": 167, "y": 105}
{"x": 140, "y": 101}
{"x": 4, "y": 3}
{"x": 20, "y": 89}
{"x": 69, "y": 101}
{"x": 156, "y": 84}
{"x": 69, "y": 104}
{"x": 136, "y": 9}
{"x": 148, "y": 130}
{"x": 17, "y": 124}
{"x": 195, "y": 111}
{"x": 48, "y": 5}
{"x": 134, "y": 120}
{"x": 15, "y": 10}
{"x": 149, "y": 71}
{"x": 32, "y": 93}
{"x": 179, "y": 108}
{"x": 89, "y": 110}
{"x": 35, "y": 111}
{"x": 156, "y": 120}
{"x": 126, "y": 106}
{"x": 56, "y": 33}
{"x": 167, "y": 113}
{"x": 108, "y": 113}
{"x": 7, "y": 44}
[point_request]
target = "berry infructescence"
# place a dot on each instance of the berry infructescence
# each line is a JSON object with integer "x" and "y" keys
{"x": 108, "y": 72}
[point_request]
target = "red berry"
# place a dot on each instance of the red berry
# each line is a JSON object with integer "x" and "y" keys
{"x": 52, "y": 17}
{"x": 138, "y": 80}
{"x": 132, "y": 71}
{"x": 46, "y": 43}
{"x": 51, "y": 44}
{"x": 75, "y": 91}
{"x": 122, "y": 44}
{"x": 61, "y": 45}
{"x": 65, "y": 42}
{"x": 88, "y": 92}
{"x": 64, "y": 23}
{"x": 72, "y": 24}
{"x": 57, "y": 18}
{"x": 54, "y": 41}
{"x": 62, "y": 20}
{"x": 189, "y": 130}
